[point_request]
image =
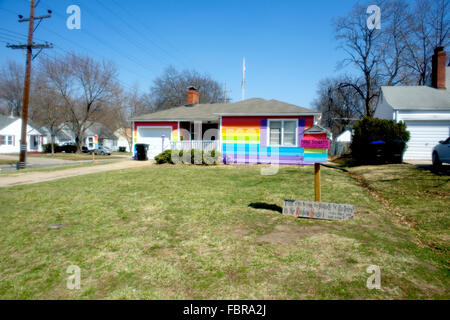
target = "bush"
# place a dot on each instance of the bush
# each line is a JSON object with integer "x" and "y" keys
{"x": 47, "y": 148}
{"x": 212, "y": 157}
{"x": 164, "y": 157}
{"x": 193, "y": 156}
{"x": 369, "y": 130}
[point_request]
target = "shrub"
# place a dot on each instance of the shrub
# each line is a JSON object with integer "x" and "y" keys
{"x": 369, "y": 130}
{"x": 196, "y": 156}
{"x": 164, "y": 157}
{"x": 47, "y": 148}
{"x": 193, "y": 156}
{"x": 212, "y": 157}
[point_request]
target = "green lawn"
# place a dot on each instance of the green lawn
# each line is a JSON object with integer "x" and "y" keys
{"x": 196, "y": 232}
{"x": 7, "y": 162}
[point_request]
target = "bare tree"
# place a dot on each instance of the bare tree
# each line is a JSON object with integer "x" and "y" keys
{"x": 428, "y": 27}
{"x": 11, "y": 87}
{"x": 169, "y": 90}
{"x": 339, "y": 105}
{"x": 47, "y": 108}
{"x": 360, "y": 44}
{"x": 86, "y": 86}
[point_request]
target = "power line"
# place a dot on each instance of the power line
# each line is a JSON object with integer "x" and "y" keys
{"x": 104, "y": 43}
{"x": 137, "y": 19}
{"x": 136, "y": 31}
{"x": 118, "y": 31}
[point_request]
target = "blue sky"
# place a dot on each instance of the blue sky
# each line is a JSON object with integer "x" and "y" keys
{"x": 289, "y": 46}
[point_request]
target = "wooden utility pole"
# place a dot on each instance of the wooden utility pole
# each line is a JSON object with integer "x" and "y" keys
{"x": 26, "y": 88}
{"x": 317, "y": 182}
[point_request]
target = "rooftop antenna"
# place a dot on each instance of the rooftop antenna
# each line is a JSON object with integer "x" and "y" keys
{"x": 225, "y": 94}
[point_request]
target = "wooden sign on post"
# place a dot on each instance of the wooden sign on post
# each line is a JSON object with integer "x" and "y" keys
{"x": 318, "y": 210}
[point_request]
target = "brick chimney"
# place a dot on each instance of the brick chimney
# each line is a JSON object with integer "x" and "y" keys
{"x": 438, "y": 77}
{"x": 193, "y": 96}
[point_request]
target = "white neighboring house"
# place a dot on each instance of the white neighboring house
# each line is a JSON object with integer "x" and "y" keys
{"x": 345, "y": 136}
{"x": 10, "y": 134}
{"x": 342, "y": 143}
{"x": 425, "y": 110}
{"x": 106, "y": 137}
{"x": 123, "y": 138}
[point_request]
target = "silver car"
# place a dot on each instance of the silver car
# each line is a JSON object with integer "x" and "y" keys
{"x": 441, "y": 153}
{"x": 102, "y": 151}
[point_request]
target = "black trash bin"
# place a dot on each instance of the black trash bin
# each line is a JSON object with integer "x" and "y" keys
{"x": 396, "y": 150}
{"x": 141, "y": 151}
{"x": 377, "y": 152}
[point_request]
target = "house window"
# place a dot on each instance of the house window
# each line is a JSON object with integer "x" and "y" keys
{"x": 6, "y": 140}
{"x": 283, "y": 133}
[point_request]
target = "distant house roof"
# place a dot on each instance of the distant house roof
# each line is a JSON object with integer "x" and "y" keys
{"x": 250, "y": 107}
{"x": 98, "y": 129}
{"x": 6, "y": 121}
{"x": 418, "y": 97}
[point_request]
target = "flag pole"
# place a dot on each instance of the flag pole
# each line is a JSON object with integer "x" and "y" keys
{"x": 243, "y": 79}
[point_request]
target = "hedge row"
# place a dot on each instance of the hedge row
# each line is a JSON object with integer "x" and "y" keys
{"x": 193, "y": 156}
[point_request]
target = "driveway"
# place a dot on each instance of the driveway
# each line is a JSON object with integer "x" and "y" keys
{"x": 36, "y": 177}
{"x": 444, "y": 170}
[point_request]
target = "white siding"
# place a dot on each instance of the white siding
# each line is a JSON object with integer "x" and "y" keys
{"x": 384, "y": 110}
{"x": 14, "y": 129}
{"x": 424, "y": 135}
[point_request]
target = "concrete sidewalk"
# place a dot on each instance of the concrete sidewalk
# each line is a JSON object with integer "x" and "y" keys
{"x": 36, "y": 177}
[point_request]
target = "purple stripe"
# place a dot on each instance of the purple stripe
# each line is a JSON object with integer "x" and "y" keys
{"x": 281, "y": 162}
{"x": 267, "y": 159}
{"x": 263, "y": 133}
{"x": 301, "y": 130}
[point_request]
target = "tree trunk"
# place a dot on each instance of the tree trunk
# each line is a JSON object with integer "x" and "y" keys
{"x": 53, "y": 145}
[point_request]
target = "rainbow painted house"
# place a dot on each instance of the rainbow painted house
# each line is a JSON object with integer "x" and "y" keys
{"x": 247, "y": 132}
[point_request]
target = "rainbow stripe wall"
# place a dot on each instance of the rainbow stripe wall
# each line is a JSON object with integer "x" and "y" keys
{"x": 244, "y": 141}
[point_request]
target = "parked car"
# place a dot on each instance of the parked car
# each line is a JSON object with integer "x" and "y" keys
{"x": 441, "y": 153}
{"x": 102, "y": 151}
{"x": 68, "y": 147}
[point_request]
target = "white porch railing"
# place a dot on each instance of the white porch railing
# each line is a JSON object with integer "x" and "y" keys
{"x": 205, "y": 145}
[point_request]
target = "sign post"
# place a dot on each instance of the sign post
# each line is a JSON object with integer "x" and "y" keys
{"x": 316, "y": 140}
{"x": 162, "y": 142}
{"x": 317, "y": 182}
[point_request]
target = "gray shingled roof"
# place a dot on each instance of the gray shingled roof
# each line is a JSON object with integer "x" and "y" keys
{"x": 6, "y": 121}
{"x": 255, "y": 107}
{"x": 418, "y": 97}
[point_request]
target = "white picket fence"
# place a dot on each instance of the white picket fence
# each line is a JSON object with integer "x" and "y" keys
{"x": 205, "y": 145}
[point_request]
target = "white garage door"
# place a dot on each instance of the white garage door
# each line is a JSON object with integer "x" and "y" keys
{"x": 424, "y": 136}
{"x": 154, "y": 138}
